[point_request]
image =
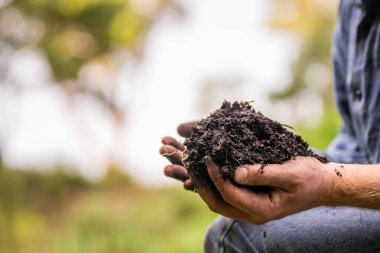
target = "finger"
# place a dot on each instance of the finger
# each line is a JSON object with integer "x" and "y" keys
{"x": 257, "y": 175}
{"x": 185, "y": 129}
{"x": 172, "y": 154}
{"x": 173, "y": 142}
{"x": 188, "y": 185}
{"x": 216, "y": 204}
{"x": 241, "y": 198}
{"x": 176, "y": 172}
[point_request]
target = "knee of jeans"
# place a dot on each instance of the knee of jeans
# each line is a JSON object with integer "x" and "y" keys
{"x": 226, "y": 235}
{"x": 215, "y": 233}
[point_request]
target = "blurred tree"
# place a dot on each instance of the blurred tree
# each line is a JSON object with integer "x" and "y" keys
{"x": 311, "y": 22}
{"x": 75, "y": 34}
{"x": 79, "y": 42}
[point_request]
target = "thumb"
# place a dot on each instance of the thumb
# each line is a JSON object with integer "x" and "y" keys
{"x": 260, "y": 175}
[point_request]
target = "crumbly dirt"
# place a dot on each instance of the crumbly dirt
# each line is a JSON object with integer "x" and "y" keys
{"x": 235, "y": 135}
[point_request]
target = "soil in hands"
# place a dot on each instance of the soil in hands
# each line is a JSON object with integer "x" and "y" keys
{"x": 235, "y": 135}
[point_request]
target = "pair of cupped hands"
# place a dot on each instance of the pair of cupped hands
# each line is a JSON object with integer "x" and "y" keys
{"x": 294, "y": 186}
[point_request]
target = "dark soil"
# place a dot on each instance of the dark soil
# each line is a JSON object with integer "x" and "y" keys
{"x": 235, "y": 135}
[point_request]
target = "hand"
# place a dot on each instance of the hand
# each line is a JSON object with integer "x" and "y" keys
{"x": 291, "y": 187}
{"x": 173, "y": 151}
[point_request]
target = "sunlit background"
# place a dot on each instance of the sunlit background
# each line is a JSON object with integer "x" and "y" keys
{"x": 89, "y": 87}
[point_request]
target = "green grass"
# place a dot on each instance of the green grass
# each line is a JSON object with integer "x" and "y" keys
{"x": 135, "y": 220}
{"x": 39, "y": 214}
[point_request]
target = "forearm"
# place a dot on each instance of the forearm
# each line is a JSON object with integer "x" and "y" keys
{"x": 354, "y": 185}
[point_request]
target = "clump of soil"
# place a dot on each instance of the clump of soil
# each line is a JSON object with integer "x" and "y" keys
{"x": 235, "y": 135}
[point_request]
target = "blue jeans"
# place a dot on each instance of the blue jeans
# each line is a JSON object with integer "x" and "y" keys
{"x": 322, "y": 229}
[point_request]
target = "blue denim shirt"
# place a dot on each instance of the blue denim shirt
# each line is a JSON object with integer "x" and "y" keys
{"x": 356, "y": 54}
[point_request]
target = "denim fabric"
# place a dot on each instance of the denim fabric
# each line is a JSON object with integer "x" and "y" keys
{"x": 356, "y": 54}
{"x": 317, "y": 230}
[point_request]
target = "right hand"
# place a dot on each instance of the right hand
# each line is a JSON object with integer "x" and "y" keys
{"x": 294, "y": 186}
{"x": 172, "y": 149}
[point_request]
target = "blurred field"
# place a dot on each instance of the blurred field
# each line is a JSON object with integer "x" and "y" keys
{"x": 57, "y": 212}
{"x": 61, "y": 213}
{"x": 85, "y": 44}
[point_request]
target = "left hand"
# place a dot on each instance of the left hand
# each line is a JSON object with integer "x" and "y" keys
{"x": 294, "y": 186}
{"x": 173, "y": 150}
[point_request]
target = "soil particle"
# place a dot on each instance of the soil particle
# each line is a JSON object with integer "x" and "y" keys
{"x": 338, "y": 173}
{"x": 235, "y": 135}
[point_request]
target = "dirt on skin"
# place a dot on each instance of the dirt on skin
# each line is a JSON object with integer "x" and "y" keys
{"x": 235, "y": 135}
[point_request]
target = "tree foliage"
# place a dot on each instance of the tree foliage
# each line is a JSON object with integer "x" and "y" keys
{"x": 312, "y": 22}
{"x": 72, "y": 32}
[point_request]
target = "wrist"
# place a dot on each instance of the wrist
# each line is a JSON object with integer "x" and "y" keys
{"x": 331, "y": 184}
{"x": 350, "y": 185}
{"x": 344, "y": 184}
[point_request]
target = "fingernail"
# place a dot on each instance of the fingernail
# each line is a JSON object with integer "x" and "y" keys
{"x": 168, "y": 170}
{"x": 241, "y": 175}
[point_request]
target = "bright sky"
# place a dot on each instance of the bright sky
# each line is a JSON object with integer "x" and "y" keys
{"x": 217, "y": 38}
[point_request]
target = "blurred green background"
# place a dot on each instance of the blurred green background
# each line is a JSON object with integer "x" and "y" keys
{"x": 60, "y": 211}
